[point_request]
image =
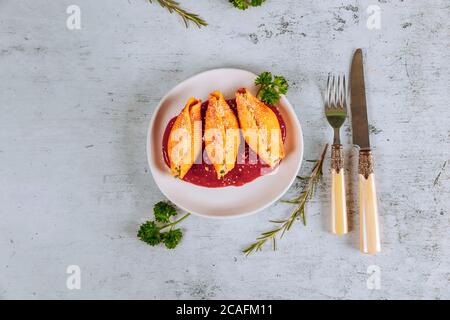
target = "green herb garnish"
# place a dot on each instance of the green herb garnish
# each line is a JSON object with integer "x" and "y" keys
{"x": 244, "y": 4}
{"x": 163, "y": 211}
{"x": 150, "y": 231}
{"x": 172, "y": 238}
{"x": 271, "y": 88}
{"x": 299, "y": 212}
{"x": 174, "y": 6}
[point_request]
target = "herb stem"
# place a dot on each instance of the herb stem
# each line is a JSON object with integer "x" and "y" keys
{"x": 175, "y": 222}
{"x": 299, "y": 212}
{"x": 174, "y": 6}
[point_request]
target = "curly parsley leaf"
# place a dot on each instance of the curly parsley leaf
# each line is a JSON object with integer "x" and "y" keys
{"x": 163, "y": 211}
{"x": 245, "y": 4}
{"x": 172, "y": 238}
{"x": 257, "y": 3}
{"x": 264, "y": 78}
{"x": 149, "y": 233}
{"x": 271, "y": 88}
{"x": 240, "y": 4}
{"x": 269, "y": 96}
{"x": 281, "y": 84}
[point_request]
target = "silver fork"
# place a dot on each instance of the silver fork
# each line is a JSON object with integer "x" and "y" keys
{"x": 336, "y": 113}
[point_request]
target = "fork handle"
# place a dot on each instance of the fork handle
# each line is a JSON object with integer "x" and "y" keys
{"x": 368, "y": 211}
{"x": 338, "y": 203}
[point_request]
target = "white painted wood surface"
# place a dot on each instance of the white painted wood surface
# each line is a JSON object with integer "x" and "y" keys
{"x": 75, "y": 185}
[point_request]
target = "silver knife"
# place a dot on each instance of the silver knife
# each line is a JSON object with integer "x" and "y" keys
{"x": 368, "y": 211}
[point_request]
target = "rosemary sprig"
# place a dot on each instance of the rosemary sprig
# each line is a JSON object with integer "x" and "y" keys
{"x": 174, "y": 6}
{"x": 299, "y": 212}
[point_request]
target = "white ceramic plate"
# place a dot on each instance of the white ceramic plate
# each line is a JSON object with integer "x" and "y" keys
{"x": 229, "y": 201}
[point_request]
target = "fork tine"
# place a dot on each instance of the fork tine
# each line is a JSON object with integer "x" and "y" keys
{"x": 336, "y": 92}
{"x": 336, "y": 95}
{"x": 339, "y": 93}
{"x": 332, "y": 92}
{"x": 328, "y": 93}
{"x": 344, "y": 92}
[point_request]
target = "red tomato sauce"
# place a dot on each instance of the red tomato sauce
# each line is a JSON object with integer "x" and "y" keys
{"x": 203, "y": 174}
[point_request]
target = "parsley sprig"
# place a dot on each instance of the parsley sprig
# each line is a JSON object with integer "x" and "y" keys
{"x": 245, "y": 4}
{"x": 151, "y": 231}
{"x": 271, "y": 88}
{"x": 163, "y": 211}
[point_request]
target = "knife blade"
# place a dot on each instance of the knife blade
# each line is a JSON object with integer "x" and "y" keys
{"x": 358, "y": 106}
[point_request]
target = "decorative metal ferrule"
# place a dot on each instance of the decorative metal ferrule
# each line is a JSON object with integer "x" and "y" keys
{"x": 337, "y": 157}
{"x": 365, "y": 163}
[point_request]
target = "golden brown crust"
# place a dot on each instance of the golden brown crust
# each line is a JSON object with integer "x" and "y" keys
{"x": 221, "y": 134}
{"x": 185, "y": 142}
{"x": 260, "y": 127}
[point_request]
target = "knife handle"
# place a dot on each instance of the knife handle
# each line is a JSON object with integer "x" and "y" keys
{"x": 368, "y": 211}
{"x": 339, "y": 224}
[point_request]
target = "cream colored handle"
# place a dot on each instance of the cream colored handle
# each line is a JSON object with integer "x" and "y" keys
{"x": 368, "y": 211}
{"x": 338, "y": 203}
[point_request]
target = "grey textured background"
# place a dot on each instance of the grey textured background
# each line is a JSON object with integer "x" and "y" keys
{"x": 75, "y": 106}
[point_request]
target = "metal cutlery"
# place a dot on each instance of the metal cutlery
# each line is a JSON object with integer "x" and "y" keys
{"x": 336, "y": 113}
{"x": 368, "y": 211}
